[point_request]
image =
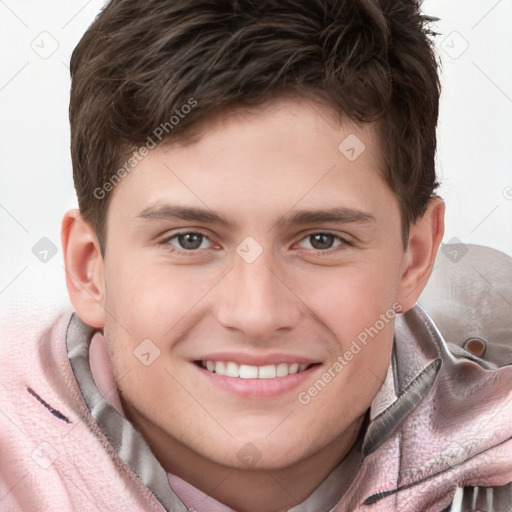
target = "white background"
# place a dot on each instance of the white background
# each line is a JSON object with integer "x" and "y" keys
{"x": 36, "y": 187}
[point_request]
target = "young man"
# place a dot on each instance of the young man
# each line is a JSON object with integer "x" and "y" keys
{"x": 257, "y": 221}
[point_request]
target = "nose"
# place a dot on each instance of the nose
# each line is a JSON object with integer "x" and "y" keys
{"x": 254, "y": 300}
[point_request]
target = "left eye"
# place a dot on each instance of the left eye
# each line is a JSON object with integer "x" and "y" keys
{"x": 189, "y": 241}
{"x": 321, "y": 241}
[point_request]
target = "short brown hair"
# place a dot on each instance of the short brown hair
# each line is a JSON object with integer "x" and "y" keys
{"x": 142, "y": 61}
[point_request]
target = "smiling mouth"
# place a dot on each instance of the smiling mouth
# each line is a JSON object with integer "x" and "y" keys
{"x": 244, "y": 371}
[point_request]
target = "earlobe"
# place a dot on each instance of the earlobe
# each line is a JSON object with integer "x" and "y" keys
{"x": 425, "y": 237}
{"x": 84, "y": 269}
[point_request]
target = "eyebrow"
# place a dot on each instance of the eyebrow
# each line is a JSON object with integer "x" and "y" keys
{"x": 172, "y": 212}
{"x": 337, "y": 215}
{"x": 299, "y": 217}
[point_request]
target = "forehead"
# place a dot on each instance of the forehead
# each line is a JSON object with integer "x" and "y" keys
{"x": 284, "y": 154}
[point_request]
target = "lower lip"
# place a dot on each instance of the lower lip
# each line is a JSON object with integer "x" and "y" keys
{"x": 257, "y": 388}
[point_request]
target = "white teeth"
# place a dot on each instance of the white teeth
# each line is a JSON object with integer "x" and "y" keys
{"x": 267, "y": 372}
{"x": 244, "y": 371}
{"x": 248, "y": 372}
{"x": 282, "y": 370}
{"x": 294, "y": 368}
{"x": 232, "y": 369}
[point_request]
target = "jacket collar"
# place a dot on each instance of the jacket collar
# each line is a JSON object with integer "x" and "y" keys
{"x": 416, "y": 362}
{"x": 449, "y": 426}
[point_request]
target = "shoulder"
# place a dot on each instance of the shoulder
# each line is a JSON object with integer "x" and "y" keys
{"x": 35, "y": 370}
{"x": 458, "y": 441}
{"x": 48, "y": 437}
{"x": 30, "y": 345}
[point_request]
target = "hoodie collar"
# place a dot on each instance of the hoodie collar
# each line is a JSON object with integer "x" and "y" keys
{"x": 410, "y": 378}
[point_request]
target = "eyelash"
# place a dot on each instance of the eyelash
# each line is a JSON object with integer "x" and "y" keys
{"x": 193, "y": 252}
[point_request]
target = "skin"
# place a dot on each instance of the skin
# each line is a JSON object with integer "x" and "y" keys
{"x": 256, "y": 169}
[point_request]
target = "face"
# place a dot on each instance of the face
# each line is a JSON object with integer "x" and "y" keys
{"x": 242, "y": 274}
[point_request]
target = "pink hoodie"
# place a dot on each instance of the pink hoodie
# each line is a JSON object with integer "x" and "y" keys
{"x": 440, "y": 434}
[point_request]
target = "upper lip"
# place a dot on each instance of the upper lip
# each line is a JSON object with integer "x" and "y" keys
{"x": 256, "y": 359}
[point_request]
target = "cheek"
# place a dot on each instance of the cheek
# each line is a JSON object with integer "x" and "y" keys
{"x": 149, "y": 300}
{"x": 352, "y": 299}
{"x": 352, "y": 377}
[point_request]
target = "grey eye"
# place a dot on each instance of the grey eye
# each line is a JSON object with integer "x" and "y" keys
{"x": 190, "y": 241}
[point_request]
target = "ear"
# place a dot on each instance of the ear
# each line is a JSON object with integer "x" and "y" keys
{"x": 425, "y": 237}
{"x": 84, "y": 269}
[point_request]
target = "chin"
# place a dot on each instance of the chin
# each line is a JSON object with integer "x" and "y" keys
{"x": 266, "y": 455}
